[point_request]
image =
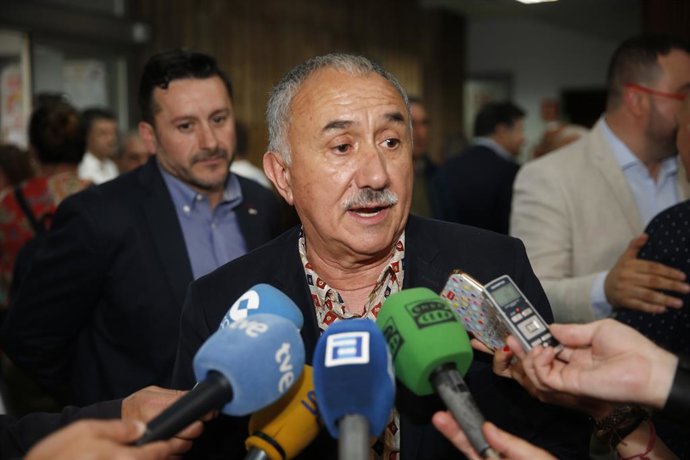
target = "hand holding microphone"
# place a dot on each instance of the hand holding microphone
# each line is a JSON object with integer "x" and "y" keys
{"x": 431, "y": 351}
{"x": 354, "y": 383}
{"x": 240, "y": 369}
{"x": 283, "y": 429}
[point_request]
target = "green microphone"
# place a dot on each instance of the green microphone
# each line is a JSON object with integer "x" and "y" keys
{"x": 431, "y": 352}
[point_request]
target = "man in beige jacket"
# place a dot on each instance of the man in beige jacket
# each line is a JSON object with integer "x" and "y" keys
{"x": 581, "y": 210}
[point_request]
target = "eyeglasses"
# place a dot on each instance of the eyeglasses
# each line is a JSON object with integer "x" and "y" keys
{"x": 644, "y": 89}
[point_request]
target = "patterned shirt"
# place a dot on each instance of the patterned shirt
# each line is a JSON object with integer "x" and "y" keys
{"x": 330, "y": 308}
{"x": 42, "y": 194}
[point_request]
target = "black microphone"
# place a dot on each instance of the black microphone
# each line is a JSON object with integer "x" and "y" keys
{"x": 241, "y": 368}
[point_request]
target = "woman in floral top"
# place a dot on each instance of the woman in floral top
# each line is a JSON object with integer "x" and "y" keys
{"x": 57, "y": 139}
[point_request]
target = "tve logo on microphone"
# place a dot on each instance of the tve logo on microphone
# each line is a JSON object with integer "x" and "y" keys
{"x": 284, "y": 358}
{"x": 347, "y": 348}
{"x": 252, "y": 328}
{"x": 240, "y": 309}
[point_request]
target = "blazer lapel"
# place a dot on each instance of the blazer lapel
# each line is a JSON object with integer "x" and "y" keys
{"x": 603, "y": 158}
{"x": 420, "y": 252}
{"x": 247, "y": 213}
{"x": 289, "y": 277}
{"x": 165, "y": 229}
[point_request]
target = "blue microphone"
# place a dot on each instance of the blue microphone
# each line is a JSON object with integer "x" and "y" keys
{"x": 263, "y": 298}
{"x": 240, "y": 369}
{"x": 354, "y": 383}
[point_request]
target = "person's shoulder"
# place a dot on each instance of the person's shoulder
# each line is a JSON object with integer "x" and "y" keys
{"x": 258, "y": 262}
{"x": 678, "y": 214}
{"x": 437, "y": 230}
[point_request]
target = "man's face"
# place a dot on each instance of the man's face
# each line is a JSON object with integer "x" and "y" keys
{"x": 133, "y": 155}
{"x": 351, "y": 173}
{"x": 102, "y": 138}
{"x": 675, "y": 78}
{"x": 194, "y": 131}
{"x": 420, "y": 129}
{"x": 511, "y": 137}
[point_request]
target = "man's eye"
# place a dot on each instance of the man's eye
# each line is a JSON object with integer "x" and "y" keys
{"x": 392, "y": 143}
{"x": 342, "y": 148}
{"x": 219, "y": 119}
{"x": 184, "y": 127}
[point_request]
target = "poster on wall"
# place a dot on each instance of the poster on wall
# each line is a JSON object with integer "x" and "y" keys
{"x": 12, "y": 118}
{"x": 85, "y": 83}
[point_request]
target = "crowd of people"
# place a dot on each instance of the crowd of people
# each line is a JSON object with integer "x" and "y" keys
{"x": 116, "y": 267}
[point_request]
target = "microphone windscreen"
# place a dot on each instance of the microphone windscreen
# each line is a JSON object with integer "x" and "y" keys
{"x": 353, "y": 374}
{"x": 423, "y": 333}
{"x": 286, "y": 427}
{"x": 263, "y": 298}
{"x": 261, "y": 357}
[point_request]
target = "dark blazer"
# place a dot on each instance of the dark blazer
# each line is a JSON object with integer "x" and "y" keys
{"x": 476, "y": 188}
{"x": 18, "y": 435}
{"x": 433, "y": 250}
{"x": 97, "y": 316}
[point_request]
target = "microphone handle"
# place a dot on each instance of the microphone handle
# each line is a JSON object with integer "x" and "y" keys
{"x": 256, "y": 454}
{"x": 452, "y": 389}
{"x": 353, "y": 442}
{"x": 212, "y": 393}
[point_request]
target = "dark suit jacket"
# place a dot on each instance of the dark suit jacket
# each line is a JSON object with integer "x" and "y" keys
{"x": 433, "y": 250}
{"x": 97, "y": 316}
{"x": 17, "y": 436}
{"x": 476, "y": 188}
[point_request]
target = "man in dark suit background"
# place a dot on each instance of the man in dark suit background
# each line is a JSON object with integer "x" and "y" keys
{"x": 476, "y": 187}
{"x": 340, "y": 151}
{"x": 97, "y": 316}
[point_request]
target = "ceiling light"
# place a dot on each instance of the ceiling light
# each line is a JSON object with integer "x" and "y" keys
{"x": 529, "y": 2}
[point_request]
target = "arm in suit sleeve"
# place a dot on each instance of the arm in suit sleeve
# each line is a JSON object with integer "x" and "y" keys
{"x": 17, "y": 436}
{"x": 540, "y": 219}
{"x": 56, "y": 298}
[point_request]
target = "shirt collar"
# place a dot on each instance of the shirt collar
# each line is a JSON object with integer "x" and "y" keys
{"x": 184, "y": 195}
{"x": 626, "y": 159}
{"x": 493, "y": 145}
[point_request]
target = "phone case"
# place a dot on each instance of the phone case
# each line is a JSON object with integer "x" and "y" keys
{"x": 466, "y": 296}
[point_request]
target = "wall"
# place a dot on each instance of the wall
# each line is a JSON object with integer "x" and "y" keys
{"x": 542, "y": 59}
{"x": 256, "y": 43}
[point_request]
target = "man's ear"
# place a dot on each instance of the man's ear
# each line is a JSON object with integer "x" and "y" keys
{"x": 278, "y": 173}
{"x": 148, "y": 136}
{"x": 636, "y": 102}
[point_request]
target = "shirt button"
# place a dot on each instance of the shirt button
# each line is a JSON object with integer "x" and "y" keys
{"x": 186, "y": 209}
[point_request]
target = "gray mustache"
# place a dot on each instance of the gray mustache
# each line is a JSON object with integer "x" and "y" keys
{"x": 369, "y": 197}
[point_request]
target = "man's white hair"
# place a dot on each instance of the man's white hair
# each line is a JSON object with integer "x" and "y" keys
{"x": 279, "y": 104}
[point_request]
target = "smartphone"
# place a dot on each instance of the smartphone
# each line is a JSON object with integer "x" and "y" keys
{"x": 466, "y": 296}
{"x": 518, "y": 314}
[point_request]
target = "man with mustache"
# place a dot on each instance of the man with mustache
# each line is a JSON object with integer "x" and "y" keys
{"x": 340, "y": 151}
{"x": 98, "y": 315}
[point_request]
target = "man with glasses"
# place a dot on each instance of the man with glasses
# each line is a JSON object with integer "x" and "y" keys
{"x": 581, "y": 211}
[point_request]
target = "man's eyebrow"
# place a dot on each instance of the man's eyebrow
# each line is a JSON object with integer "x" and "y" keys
{"x": 337, "y": 124}
{"x": 396, "y": 117}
